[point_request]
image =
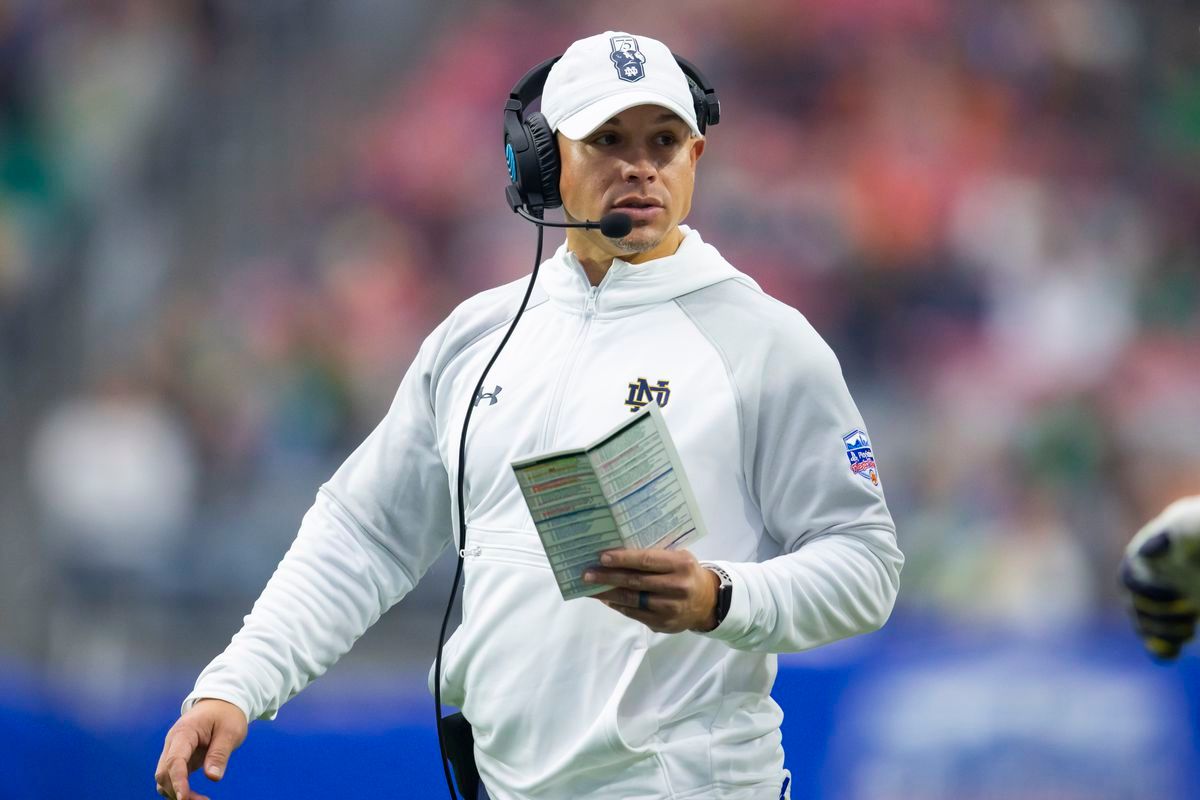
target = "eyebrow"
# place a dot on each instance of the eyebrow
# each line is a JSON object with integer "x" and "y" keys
{"x": 667, "y": 116}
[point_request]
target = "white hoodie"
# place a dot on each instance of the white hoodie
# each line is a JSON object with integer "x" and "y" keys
{"x": 571, "y": 699}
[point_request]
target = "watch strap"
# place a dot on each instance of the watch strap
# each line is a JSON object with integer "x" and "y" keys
{"x": 724, "y": 591}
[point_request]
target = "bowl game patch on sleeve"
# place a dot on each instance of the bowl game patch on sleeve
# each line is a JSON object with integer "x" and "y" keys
{"x": 862, "y": 460}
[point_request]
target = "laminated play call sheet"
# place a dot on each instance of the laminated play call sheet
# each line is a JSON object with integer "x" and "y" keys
{"x": 627, "y": 489}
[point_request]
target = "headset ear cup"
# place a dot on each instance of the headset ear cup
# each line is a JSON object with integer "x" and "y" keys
{"x": 699, "y": 104}
{"x": 546, "y": 149}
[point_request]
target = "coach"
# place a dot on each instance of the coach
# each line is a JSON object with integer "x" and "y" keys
{"x": 661, "y": 689}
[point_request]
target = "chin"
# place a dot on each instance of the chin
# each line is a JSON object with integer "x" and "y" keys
{"x": 641, "y": 240}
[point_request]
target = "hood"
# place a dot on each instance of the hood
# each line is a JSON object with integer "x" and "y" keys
{"x": 626, "y": 287}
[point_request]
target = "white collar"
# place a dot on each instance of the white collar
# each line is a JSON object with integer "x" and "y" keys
{"x": 626, "y": 286}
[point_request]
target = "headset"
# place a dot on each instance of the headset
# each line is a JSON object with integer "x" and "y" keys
{"x": 533, "y": 171}
{"x": 532, "y": 152}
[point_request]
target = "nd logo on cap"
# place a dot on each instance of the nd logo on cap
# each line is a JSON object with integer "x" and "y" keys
{"x": 627, "y": 58}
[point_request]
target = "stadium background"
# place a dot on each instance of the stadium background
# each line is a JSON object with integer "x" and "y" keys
{"x": 225, "y": 228}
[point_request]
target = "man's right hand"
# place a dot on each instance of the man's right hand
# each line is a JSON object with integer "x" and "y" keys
{"x": 207, "y": 734}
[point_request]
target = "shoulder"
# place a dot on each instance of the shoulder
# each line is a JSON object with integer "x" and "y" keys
{"x": 488, "y": 308}
{"x": 752, "y": 330}
{"x": 474, "y": 318}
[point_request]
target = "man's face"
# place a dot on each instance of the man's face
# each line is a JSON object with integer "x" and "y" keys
{"x": 641, "y": 162}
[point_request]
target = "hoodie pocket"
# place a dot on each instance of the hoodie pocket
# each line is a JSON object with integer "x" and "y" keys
{"x": 487, "y": 551}
{"x": 504, "y": 545}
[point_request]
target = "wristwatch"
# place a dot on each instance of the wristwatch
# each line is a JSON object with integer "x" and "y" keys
{"x": 724, "y": 591}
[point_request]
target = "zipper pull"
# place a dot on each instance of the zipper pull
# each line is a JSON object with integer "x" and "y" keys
{"x": 470, "y": 552}
{"x": 590, "y": 306}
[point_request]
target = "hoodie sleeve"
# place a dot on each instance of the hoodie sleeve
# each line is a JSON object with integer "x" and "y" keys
{"x": 374, "y": 529}
{"x": 810, "y": 470}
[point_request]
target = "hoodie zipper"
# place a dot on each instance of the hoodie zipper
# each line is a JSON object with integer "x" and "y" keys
{"x": 550, "y": 429}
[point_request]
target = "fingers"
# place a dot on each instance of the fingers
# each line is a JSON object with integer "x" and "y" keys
{"x": 665, "y": 572}
{"x": 659, "y": 614}
{"x": 673, "y": 585}
{"x": 207, "y": 734}
{"x": 172, "y": 781}
{"x": 172, "y": 771}
{"x": 654, "y": 560}
{"x": 679, "y": 594}
{"x": 177, "y": 773}
{"x": 223, "y": 743}
{"x": 630, "y": 598}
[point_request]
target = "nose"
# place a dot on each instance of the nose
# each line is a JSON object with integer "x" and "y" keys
{"x": 639, "y": 167}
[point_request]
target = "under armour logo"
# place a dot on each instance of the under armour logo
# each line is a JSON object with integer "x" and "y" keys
{"x": 492, "y": 395}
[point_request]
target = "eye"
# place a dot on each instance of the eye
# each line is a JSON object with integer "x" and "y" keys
{"x": 604, "y": 139}
{"x": 666, "y": 139}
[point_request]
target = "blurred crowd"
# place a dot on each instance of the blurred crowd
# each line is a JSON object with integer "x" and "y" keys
{"x": 225, "y": 229}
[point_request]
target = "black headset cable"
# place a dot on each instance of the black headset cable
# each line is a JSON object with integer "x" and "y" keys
{"x": 462, "y": 515}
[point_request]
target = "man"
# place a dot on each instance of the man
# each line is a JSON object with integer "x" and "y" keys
{"x": 658, "y": 690}
{"x": 1161, "y": 570}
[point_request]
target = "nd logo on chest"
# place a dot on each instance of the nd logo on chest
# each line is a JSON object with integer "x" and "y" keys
{"x": 641, "y": 393}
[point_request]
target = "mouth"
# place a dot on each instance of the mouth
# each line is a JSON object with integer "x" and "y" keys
{"x": 641, "y": 209}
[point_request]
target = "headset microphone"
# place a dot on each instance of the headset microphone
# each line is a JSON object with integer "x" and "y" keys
{"x": 614, "y": 225}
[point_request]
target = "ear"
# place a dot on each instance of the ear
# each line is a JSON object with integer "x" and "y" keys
{"x": 697, "y": 148}
{"x": 566, "y": 169}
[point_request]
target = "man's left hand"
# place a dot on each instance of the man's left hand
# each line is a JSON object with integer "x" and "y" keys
{"x": 676, "y": 593}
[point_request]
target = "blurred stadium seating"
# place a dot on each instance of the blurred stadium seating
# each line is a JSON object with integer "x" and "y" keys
{"x": 225, "y": 228}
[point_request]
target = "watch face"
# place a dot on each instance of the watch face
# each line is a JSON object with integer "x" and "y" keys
{"x": 724, "y": 597}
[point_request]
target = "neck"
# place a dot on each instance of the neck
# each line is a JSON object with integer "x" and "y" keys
{"x": 596, "y": 252}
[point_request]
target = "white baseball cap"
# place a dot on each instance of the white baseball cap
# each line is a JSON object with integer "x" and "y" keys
{"x": 603, "y": 75}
